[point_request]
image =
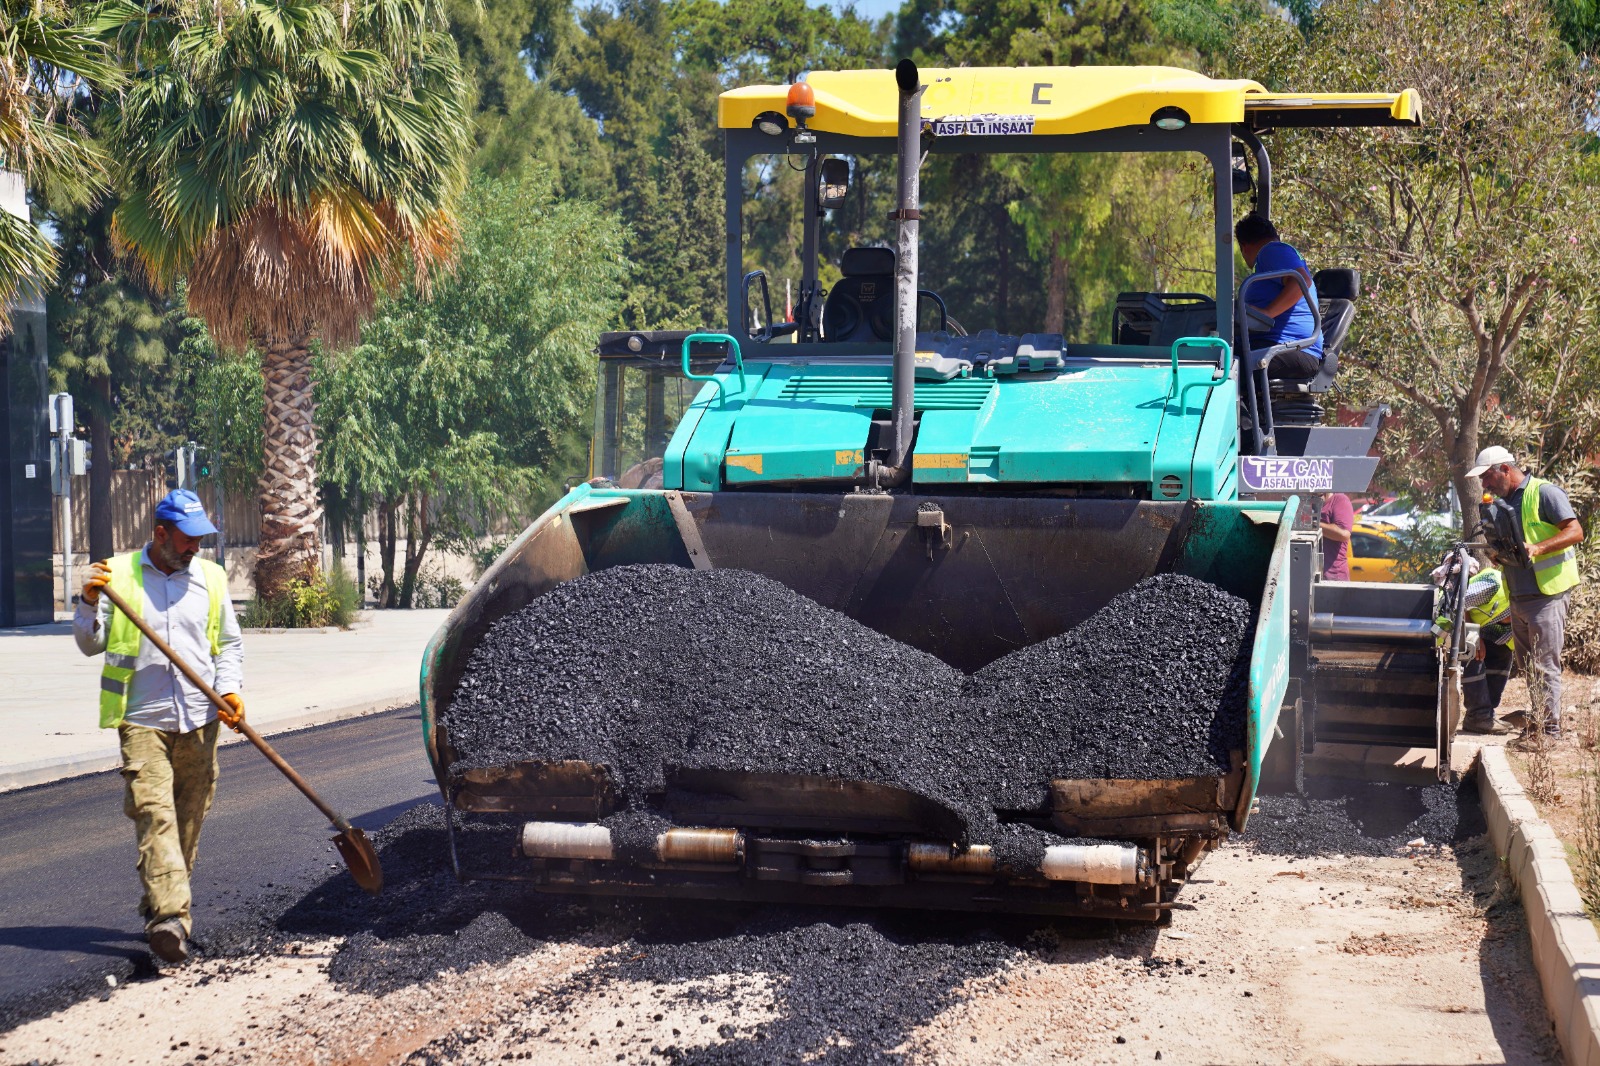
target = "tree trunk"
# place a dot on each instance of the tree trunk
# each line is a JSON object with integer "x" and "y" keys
{"x": 291, "y": 512}
{"x": 418, "y": 532}
{"x": 1055, "y": 308}
{"x": 386, "y": 538}
{"x": 101, "y": 537}
{"x": 1463, "y": 450}
{"x": 361, "y": 544}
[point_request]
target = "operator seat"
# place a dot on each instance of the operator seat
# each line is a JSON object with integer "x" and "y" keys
{"x": 1293, "y": 403}
{"x": 861, "y": 306}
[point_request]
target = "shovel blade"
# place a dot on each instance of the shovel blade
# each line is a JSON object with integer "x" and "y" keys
{"x": 361, "y": 859}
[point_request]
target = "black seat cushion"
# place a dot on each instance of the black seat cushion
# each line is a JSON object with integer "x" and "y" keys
{"x": 861, "y": 306}
{"x": 1337, "y": 283}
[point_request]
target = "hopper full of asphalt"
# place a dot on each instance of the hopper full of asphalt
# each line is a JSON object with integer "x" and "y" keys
{"x": 649, "y": 669}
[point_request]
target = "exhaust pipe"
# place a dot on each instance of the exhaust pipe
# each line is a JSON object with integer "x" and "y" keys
{"x": 907, "y": 216}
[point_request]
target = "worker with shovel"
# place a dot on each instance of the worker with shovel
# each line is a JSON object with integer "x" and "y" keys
{"x": 167, "y": 725}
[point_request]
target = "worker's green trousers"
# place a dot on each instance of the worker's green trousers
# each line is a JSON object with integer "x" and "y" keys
{"x": 171, "y": 778}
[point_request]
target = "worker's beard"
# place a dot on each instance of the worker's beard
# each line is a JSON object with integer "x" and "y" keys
{"x": 167, "y": 558}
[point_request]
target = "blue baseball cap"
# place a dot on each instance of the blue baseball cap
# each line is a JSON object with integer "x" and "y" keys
{"x": 184, "y": 509}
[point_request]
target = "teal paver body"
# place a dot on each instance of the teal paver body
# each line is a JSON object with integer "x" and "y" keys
{"x": 1165, "y": 430}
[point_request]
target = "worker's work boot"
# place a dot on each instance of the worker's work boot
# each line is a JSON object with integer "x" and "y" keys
{"x": 168, "y": 942}
{"x": 1483, "y": 727}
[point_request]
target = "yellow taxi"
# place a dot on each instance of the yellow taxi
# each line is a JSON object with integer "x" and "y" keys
{"x": 1373, "y": 551}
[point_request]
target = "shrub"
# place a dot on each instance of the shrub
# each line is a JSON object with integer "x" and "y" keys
{"x": 436, "y": 589}
{"x": 312, "y": 601}
{"x": 1582, "y": 650}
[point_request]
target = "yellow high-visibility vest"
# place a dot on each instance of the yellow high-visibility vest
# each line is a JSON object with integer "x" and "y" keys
{"x": 123, "y": 638}
{"x": 1556, "y": 572}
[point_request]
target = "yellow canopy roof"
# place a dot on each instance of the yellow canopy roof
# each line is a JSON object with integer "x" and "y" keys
{"x": 1046, "y": 100}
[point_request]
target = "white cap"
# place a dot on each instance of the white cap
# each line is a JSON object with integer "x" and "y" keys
{"x": 1493, "y": 455}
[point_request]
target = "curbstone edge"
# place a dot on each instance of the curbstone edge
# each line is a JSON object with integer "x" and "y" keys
{"x": 1566, "y": 948}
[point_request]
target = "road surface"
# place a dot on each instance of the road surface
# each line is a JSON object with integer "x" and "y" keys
{"x": 67, "y": 912}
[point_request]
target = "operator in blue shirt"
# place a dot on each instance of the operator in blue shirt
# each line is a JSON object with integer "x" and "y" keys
{"x": 1281, "y": 300}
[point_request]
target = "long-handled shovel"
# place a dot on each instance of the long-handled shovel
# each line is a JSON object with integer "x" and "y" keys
{"x": 352, "y": 843}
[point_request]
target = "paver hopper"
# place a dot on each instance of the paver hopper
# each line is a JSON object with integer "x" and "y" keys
{"x": 989, "y": 575}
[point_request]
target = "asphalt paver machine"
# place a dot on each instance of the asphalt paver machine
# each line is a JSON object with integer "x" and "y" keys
{"x": 970, "y": 491}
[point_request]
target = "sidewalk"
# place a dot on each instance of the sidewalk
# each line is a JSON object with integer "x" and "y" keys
{"x": 292, "y": 680}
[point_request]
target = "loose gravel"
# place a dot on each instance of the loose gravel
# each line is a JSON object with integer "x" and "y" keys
{"x": 651, "y": 669}
{"x": 823, "y": 987}
{"x": 1364, "y": 818}
{"x": 869, "y": 978}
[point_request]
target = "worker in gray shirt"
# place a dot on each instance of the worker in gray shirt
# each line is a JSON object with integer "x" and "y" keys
{"x": 1540, "y": 578}
{"x": 168, "y": 729}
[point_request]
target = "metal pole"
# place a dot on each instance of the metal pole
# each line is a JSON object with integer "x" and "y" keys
{"x": 222, "y": 526}
{"x": 64, "y": 420}
{"x": 907, "y": 216}
{"x": 222, "y": 496}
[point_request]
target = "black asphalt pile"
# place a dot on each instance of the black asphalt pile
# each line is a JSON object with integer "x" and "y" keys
{"x": 643, "y": 667}
{"x": 650, "y": 669}
{"x": 846, "y": 987}
{"x": 423, "y": 923}
{"x": 1371, "y": 818}
{"x": 1151, "y": 686}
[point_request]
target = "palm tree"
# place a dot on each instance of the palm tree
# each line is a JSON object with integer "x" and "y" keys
{"x": 47, "y": 53}
{"x": 291, "y": 158}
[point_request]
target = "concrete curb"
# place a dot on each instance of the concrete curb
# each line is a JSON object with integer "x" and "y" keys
{"x": 45, "y": 771}
{"x": 1566, "y": 948}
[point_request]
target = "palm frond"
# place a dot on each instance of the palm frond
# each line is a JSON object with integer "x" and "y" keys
{"x": 27, "y": 263}
{"x": 288, "y": 161}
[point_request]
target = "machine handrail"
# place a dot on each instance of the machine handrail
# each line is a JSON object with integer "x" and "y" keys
{"x": 1256, "y": 380}
{"x": 1243, "y": 316}
{"x": 738, "y": 361}
{"x": 1199, "y": 342}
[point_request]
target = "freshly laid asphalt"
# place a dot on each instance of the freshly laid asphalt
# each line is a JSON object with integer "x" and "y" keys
{"x": 67, "y": 905}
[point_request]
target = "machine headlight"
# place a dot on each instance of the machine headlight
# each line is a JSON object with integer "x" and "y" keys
{"x": 1170, "y": 118}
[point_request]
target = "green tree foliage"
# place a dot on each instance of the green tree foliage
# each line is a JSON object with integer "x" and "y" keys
{"x": 745, "y": 42}
{"x": 49, "y": 52}
{"x": 463, "y": 406}
{"x": 1474, "y": 232}
{"x": 1578, "y": 21}
{"x": 649, "y": 71}
{"x": 676, "y": 247}
{"x": 226, "y": 400}
{"x": 110, "y": 343}
{"x": 509, "y": 49}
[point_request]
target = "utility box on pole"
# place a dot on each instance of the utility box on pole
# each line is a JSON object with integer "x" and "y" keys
{"x": 26, "y": 593}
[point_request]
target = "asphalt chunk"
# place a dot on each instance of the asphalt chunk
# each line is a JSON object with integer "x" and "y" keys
{"x": 652, "y": 670}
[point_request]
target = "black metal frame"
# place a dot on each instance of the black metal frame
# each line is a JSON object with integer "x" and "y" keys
{"x": 1211, "y": 140}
